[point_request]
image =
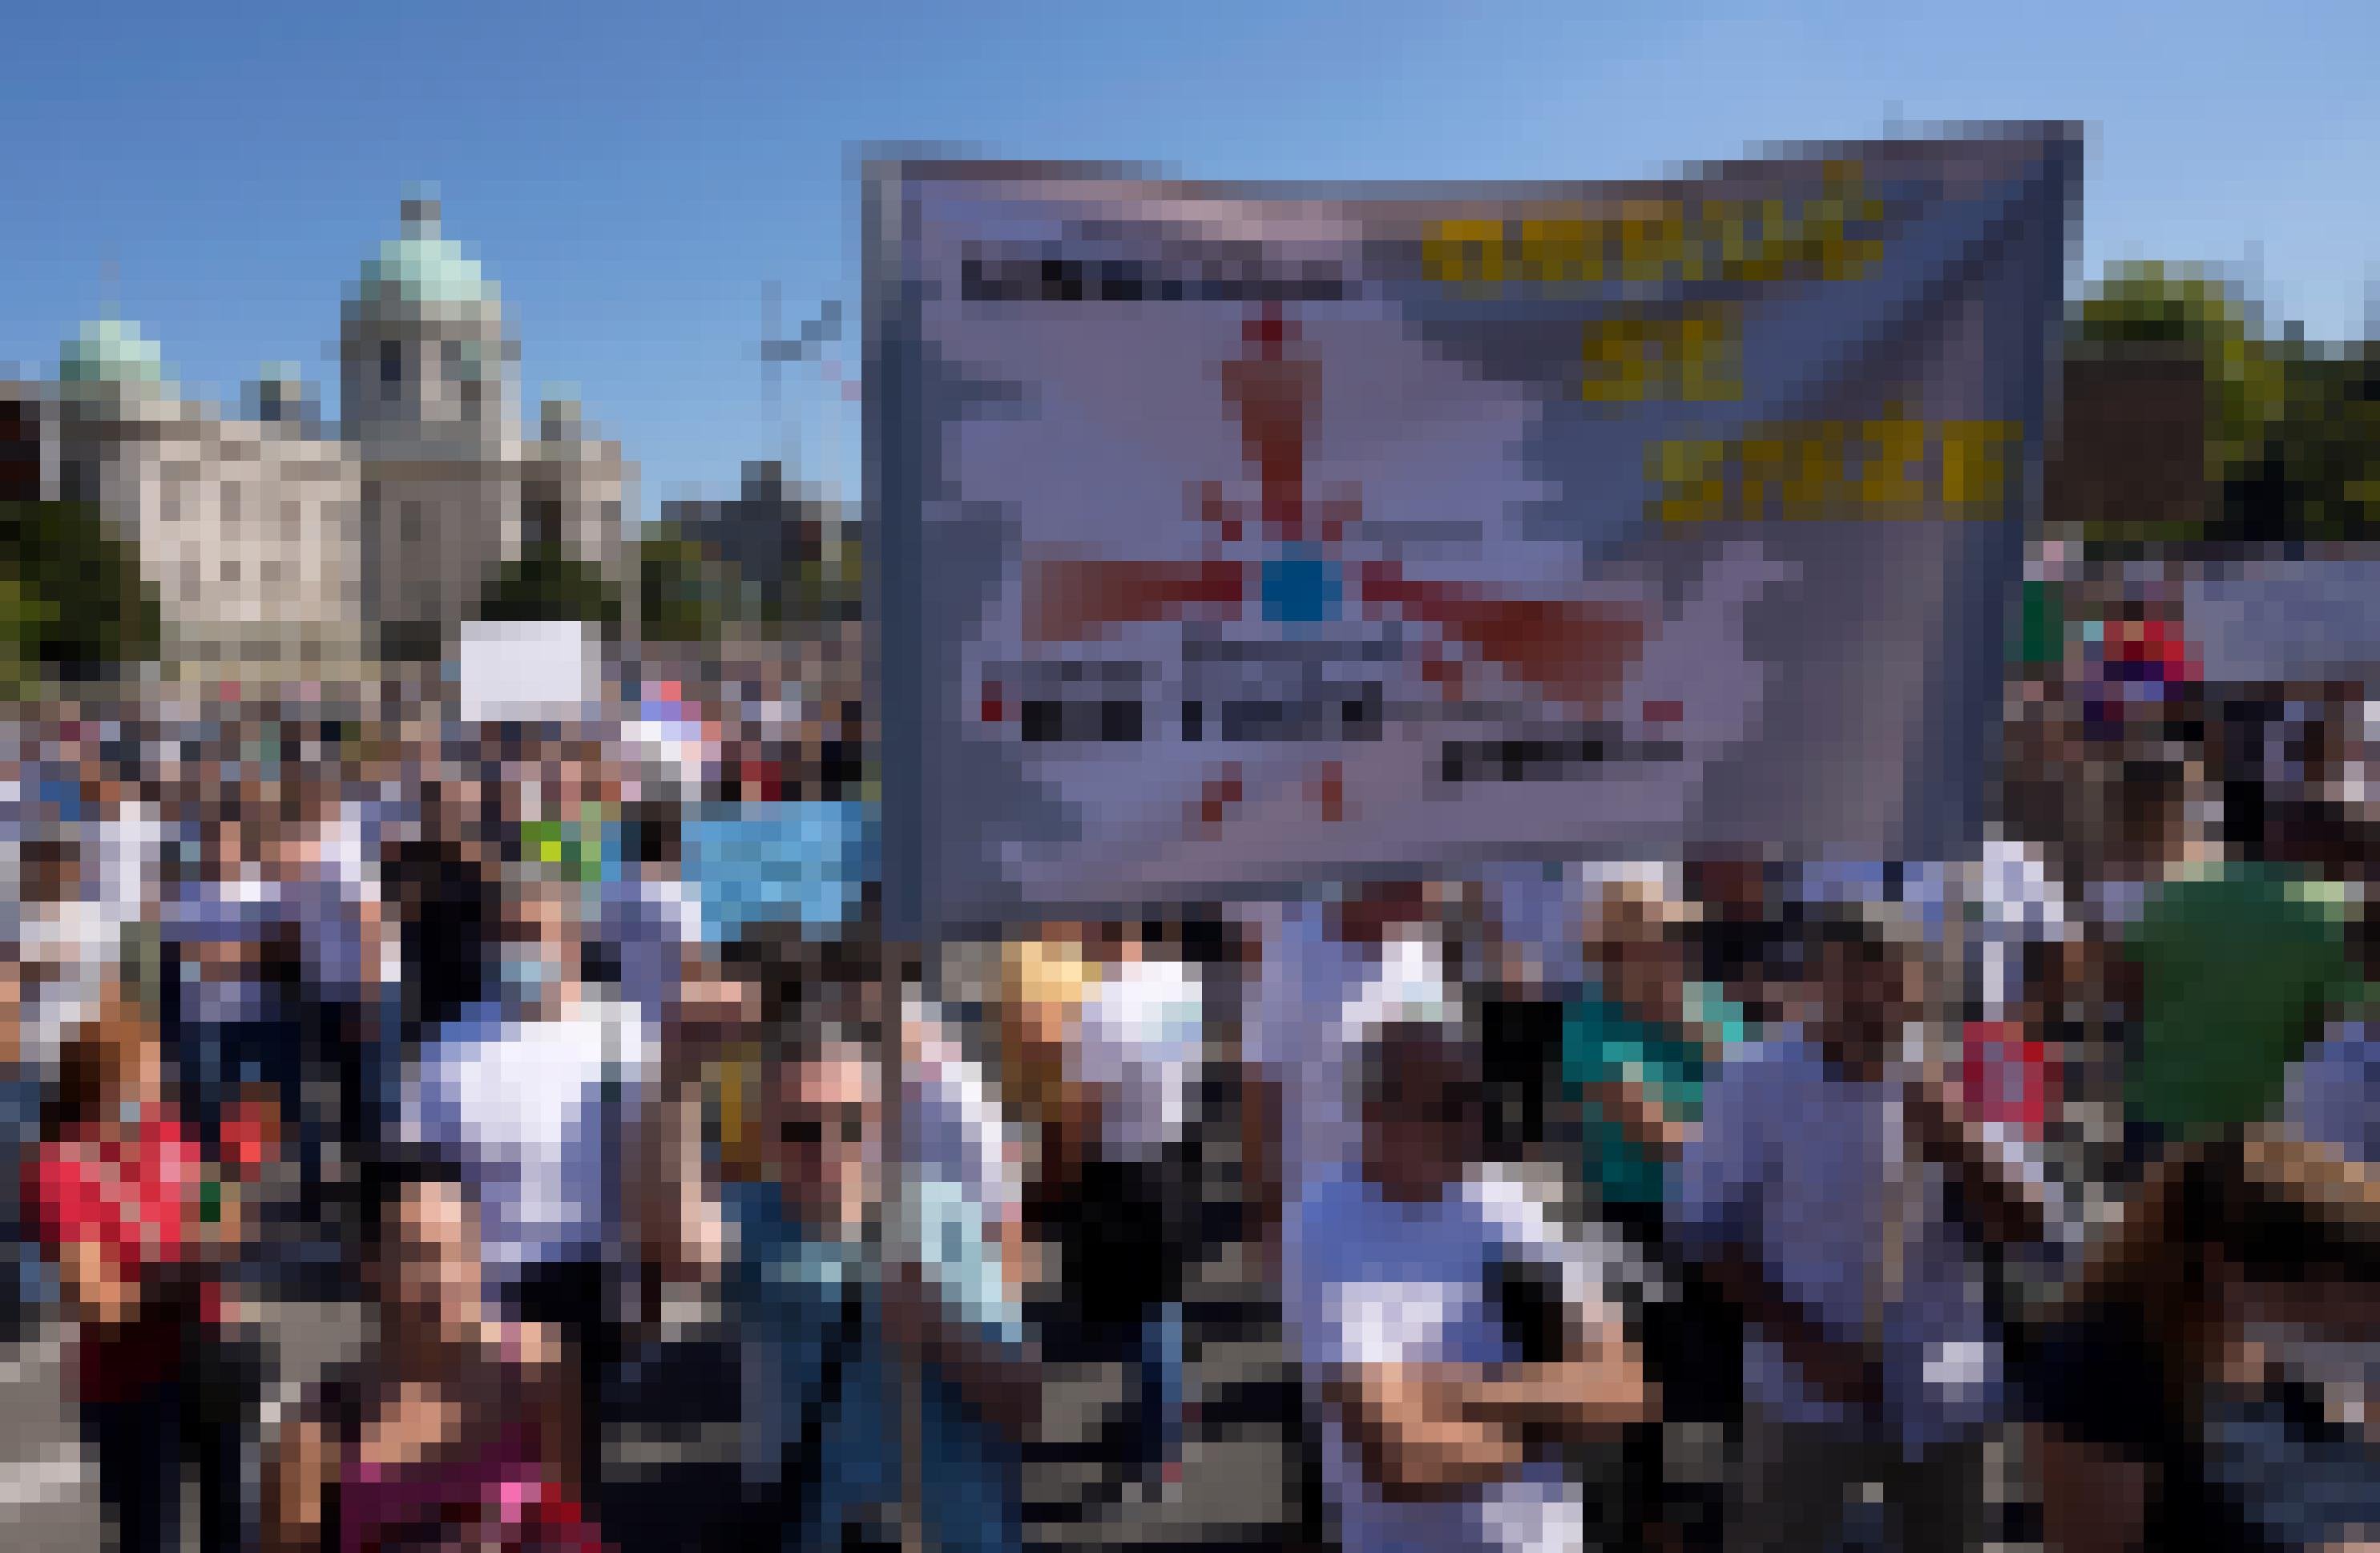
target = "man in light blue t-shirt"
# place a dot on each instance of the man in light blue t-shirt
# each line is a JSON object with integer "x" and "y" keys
{"x": 824, "y": 1322}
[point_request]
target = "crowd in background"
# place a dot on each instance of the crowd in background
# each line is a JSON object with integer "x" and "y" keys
{"x": 1704, "y": 1202}
{"x": 2023, "y": 1198}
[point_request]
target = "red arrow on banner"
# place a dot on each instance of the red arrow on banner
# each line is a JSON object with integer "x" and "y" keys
{"x": 1566, "y": 649}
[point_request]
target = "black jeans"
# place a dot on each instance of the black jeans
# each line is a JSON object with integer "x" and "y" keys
{"x": 573, "y": 1297}
{"x": 139, "y": 1444}
{"x": 203, "y": 1420}
{"x": 1693, "y": 1349}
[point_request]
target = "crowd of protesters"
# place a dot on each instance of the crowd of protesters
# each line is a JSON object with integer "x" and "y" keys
{"x": 324, "y": 1002}
{"x": 2028, "y": 1198}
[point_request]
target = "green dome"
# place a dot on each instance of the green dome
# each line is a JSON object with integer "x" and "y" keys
{"x": 110, "y": 351}
{"x": 427, "y": 272}
{"x": 424, "y": 269}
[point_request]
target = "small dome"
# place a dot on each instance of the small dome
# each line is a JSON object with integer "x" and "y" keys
{"x": 424, "y": 269}
{"x": 281, "y": 394}
{"x": 559, "y": 416}
{"x": 111, "y": 351}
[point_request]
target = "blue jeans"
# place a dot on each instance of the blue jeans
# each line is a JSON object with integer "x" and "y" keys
{"x": 24, "y": 1276}
{"x": 1160, "y": 1386}
{"x": 974, "y": 1498}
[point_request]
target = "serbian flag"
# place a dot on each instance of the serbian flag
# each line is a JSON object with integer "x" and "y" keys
{"x": 2008, "y": 1079}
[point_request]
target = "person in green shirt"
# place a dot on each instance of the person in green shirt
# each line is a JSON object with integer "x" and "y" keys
{"x": 2237, "y": 963}
{"x": 2240, "y": 964}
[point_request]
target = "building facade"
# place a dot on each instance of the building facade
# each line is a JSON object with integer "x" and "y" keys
{"x": 275, "y": 542}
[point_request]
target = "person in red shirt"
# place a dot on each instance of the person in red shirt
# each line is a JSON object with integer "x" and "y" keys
{"x": 120, "y": 1198}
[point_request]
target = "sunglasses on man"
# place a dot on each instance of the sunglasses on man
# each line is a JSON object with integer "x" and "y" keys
{"x": 847, "y": 1124}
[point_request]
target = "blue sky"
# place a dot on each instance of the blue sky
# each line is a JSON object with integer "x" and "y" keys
{"x": 632, "y": 175}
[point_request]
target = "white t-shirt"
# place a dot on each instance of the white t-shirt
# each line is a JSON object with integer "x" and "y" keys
{"x": 1367, "y": 1280}
{"x": 1140, "y": 1042}
{"x": 962, "y": 1176}
{"x": 2021, "y": 904}
{"x": 521, "y": 1106}
{"x": 128, "y": 847}
{"x": 82, "y": 941}
{"x": 954, "y": 1127}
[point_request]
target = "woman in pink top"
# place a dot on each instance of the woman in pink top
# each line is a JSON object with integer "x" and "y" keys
{"x": 455, "y": 1433}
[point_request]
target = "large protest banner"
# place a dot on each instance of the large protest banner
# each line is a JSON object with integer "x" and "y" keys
{"x": 1231, "y": 538}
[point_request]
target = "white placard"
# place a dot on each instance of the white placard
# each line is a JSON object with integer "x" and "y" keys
{"x": 526, "y": 670}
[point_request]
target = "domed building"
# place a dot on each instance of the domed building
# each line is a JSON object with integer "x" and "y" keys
{"x": 277, "y": 543}
{"x": 244, "y": 526}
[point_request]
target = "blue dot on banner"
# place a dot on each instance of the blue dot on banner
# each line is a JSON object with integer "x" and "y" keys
{"x": 1301, "y": 586}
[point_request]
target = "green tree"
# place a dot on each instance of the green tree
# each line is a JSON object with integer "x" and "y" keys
{"x": 2319, "y": 473}
{"x": 545, "y": 582}
{"x": 2147, "y": 301}
{"x": 690, "y": 593}
{"x": 80, "y": 603}
{"x": 24, "y": 617}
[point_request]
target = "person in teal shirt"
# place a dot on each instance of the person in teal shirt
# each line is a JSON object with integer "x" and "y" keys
{"x": 1636, "y": 1049}
{"x": 1636, "y": 1046}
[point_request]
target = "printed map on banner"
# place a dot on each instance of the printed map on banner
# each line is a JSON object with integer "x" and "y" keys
{"x": 1236, "y": 539}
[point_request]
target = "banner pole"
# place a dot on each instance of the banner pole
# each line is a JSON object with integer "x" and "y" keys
{"x": 904, "y": 1240}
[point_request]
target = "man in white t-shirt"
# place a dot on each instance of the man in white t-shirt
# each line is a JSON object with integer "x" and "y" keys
{"x": 545, "y": 1094}
{"x": 1459, "y": 1346}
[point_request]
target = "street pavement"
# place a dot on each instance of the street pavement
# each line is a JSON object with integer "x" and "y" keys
{"x": 1238, "y": 1486}
{"x": 1243, "y": 1469}
{"x": 49, "y": 1500}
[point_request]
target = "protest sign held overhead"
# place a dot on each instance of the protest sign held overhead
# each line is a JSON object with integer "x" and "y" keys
{"x": 1236, "y": 537}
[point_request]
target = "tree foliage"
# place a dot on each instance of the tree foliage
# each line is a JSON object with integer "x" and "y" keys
{"x": 2292, "y": 443}
{"x": 23, "y": 616}
{"x": 688, "y": 592}
{"x": 75, "y": 598}
{"x": 545, "y": 582}
{"x": 2147, "y": 301}
{"x": 2317, "y": 473}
